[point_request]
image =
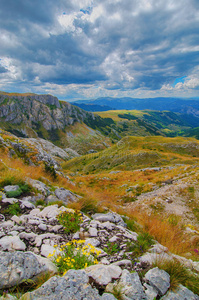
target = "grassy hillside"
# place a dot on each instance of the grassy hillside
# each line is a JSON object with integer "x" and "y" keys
{"x": 155, "y": 198}
{"x": 138, "y": 152}
{"x": 147, "y": 122}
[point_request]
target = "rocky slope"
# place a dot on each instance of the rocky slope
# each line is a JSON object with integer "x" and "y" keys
{"x": 44, "y": 116}
{"x": 27, "y": 240}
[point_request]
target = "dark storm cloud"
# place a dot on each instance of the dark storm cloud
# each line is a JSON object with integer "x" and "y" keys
{"x": 113, "y": 44}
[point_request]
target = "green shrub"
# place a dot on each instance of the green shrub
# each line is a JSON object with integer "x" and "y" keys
{"x": 40, "y": 202}
{"x": 70, "y": 221}
{"x": 13, "y": 209}
{"x": 14, "y": 194}
{"x": 23, "y": 189}
{"x": 111, "y": 248}
{"x": 143, "y": 243}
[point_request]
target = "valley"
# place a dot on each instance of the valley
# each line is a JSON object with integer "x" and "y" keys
{"x": 131, "y": 167}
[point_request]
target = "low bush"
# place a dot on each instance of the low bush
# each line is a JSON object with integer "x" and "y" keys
{"x": 13, "y": 209}
{"x": 111, "y": 248}
{"x": 143, "y": 243}
{"x": 70, "y": 221}
{"x": 23, "y": 189}
{"x": 14, "y": 194}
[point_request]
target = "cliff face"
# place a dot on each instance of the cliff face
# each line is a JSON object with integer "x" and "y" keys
{"x": 44, "y": 116}
{"x": 45, "y": 109}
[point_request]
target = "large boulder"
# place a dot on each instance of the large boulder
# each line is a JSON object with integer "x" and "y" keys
{"x": 65, "y": 195}
{"x": 103, "y": 274}
{"x": 74, "y": 285}
{"x": 130, "y": 286}
{"x": 182, "y": 293}
{"x": 159, "y": 279}
{"x": 18, "y": 266}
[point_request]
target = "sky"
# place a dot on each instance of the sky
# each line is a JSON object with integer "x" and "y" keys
{"x": 84, "y": 49}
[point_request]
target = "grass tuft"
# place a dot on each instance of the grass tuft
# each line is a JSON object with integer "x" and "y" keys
{"x": 179, "y": 274}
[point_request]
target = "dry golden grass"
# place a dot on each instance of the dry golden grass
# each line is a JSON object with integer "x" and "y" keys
{"x": 113, "y": 114}
{"x": 170, "y": 235}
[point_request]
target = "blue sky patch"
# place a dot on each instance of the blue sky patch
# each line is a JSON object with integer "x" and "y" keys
{"x": 177, "y": 80}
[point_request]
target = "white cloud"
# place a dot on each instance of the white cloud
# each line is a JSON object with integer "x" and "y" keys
{"x": 14, "y": 71}
{"x": 189, "y": 83}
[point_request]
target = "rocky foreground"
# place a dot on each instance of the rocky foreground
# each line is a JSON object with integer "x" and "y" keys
{"x": 28, "y": 241}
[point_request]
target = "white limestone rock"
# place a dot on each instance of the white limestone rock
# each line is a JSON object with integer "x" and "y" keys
{"x": 159, "y": 279}
{"x": 103, "y": 274}
{"x": 10, "y": 200}
{"x": 18, "y": 266}
{"x": 12, "y": 243}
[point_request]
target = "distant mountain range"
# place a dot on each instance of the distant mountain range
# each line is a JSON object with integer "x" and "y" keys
{"x": 181, "y": 105}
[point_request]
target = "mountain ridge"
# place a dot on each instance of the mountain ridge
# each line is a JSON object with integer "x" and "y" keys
{"x": 182, "y": 105}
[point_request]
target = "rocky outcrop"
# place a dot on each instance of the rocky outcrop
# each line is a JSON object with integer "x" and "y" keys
{"x": 44, "y": 116}
{"x": 34, "y": 110}
{"x": 36, "y": 150}
{"x": 28, "y": 241}
{"x": 73, "y": 285}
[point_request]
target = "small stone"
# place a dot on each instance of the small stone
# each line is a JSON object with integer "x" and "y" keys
{"x": 151, "y": 292}
{"x": 76, "y": 236}
{"x": 49, "y": 212}
{"x": 94, "y": 224}
{"x": 92, "y": 231}
{"x": 108, "y": 225}
{"x": 16, "y": 219}
{"x": 131, "y": 286}
{"x": 12, "y": 243}
{"x": 27, "y": 235}
{"x": 56, "y": 228}
{"x": 13, "y": 233}
{"x": 42, "y": 226}
{"x": 7, "y": 224}
{"x": 11, "y": 188}
{"x": 10, "y": 200}
{"x": 38, "y": 241}
{"x": 105, "y": 261}
{"x": 158, "y": 248}
{"x": 133, "y": 236}
{"x": 35, "y": 212}
{"x": 33, "y": 222}
{"x": 46, "y": 250}
{"x": 123, "y": 263}
{"x": 93, "y": 242}
{"x": 26, "y": 204}
{"x": 65, "y": 195}
{"x": 104, "y": 217}
{"x": 113, "y": 239}
{"x": 107, "y": 296}
{"x": 182, "y": 293}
